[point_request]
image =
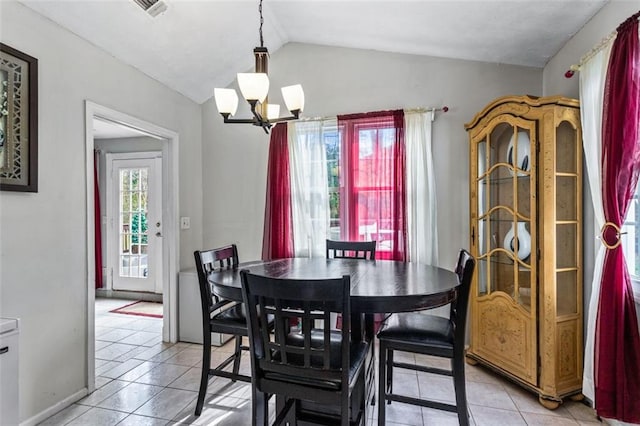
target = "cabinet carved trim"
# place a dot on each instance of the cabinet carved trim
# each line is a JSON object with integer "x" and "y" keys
{"x": 505, "y": 334}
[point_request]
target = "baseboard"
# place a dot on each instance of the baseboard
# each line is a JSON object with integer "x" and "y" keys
{"x": 45, "y": 414}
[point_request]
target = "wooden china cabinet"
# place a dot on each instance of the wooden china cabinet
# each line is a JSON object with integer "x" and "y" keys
{"x": 526, "y": 222}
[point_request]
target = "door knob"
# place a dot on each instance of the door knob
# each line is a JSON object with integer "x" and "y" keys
{"x": 158, "y": 234}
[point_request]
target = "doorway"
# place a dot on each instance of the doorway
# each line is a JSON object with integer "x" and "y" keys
{"x": 169, "y": 254}
{"x": 134, "y": 221}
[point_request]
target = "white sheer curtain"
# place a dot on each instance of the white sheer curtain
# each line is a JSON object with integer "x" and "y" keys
{"x": 422, "y": 220}
{"x": 309, "y": 186}
{"x": 592, "y": 79}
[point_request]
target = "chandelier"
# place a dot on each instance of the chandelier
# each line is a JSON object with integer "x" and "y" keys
{"x": 254, "y": 88}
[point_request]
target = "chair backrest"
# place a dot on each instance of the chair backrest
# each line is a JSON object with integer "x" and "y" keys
{"x": 351, "y": 249}
{"x": 208, "y": 261}
{"x": 290, "y": 353}
{"x": 459, "y": 307}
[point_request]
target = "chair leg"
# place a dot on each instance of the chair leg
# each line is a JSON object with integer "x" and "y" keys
{"x": 204, "y": 377}
{"x": 382, "y": 383}
{"x": 259, "y": 407}
{"x": 389, "y": 372}
{"x": 237, "y": 355}
{"x": 344, "y": 410}
{"x": 460, "y": 389}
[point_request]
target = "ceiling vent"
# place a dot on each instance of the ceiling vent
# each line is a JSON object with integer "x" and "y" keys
{"x": 152, "y": 7}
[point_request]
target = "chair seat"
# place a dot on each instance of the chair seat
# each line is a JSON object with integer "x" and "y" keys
{"x": 357, "y": 354}
{"x": 232, "y": 320}
{"x": 419, "y": 330}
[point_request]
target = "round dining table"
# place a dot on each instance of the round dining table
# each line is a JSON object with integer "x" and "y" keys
{"x": 377, "y": 286}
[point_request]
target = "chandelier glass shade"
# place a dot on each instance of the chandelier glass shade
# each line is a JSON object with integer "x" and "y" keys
{"x": 255, "y": 88}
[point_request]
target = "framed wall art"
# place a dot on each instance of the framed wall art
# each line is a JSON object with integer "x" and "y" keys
{"x": 18, "y": 120}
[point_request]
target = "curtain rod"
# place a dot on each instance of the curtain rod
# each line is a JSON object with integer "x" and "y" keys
{"x": 417, "y": 109}
{"x": 591, "y": 53}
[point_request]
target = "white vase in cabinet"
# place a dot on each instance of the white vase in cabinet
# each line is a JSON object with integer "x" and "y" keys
{"x": 520, "y": 245}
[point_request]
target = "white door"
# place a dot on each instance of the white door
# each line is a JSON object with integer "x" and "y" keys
{"x": 134, "y": 203}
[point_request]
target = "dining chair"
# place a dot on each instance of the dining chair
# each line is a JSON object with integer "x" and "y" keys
{"x": 219, "y": 316}
{"x": 351, "y": 249}
{"x": 432, "y": 335}
{"x": 318, "y": 373}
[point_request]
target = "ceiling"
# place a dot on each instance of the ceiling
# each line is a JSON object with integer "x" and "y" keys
{"x": 106, "y": 129}
{"x": 197, "y": 45}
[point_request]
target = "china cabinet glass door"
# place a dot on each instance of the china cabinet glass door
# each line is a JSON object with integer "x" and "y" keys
{"x": 505, "y": 247}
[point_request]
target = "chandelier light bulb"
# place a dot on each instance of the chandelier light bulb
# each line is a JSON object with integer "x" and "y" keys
{"x": 226, "y": 101}
{"x": 273, "y": 111}
{"x": 293, "y": 97}
{"x": 253, "y": 85}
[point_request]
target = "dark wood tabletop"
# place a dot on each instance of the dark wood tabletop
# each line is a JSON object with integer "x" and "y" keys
{"x": 376, "y": 285}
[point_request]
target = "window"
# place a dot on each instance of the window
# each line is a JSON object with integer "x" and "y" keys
{"x": 369, "y": 202}
{"x": 347, "y": 180}
{"x": 631, "y": 242}
{"x": 631, "y": 236}
{"x": 332, "y": 146}
{"x": 364, "y": 157}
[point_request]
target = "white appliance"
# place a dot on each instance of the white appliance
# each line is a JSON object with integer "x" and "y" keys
{"x": 9, "y": 404}
{"x": 190, "y": 311}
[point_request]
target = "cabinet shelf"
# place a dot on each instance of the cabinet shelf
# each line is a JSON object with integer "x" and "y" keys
{"x": 506, "y": 261}
{"x": 502, "y": 220}
{"x": 502, "y": 180}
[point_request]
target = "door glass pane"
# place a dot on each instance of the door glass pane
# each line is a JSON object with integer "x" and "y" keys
{"x": 482, "y": 202}
{"x": 497, "y": 227}
{"x": 124, "y": 265}
{"x": 506, "y": 230}
{"x": 524, "y": 287}
{"x": 517, "y": 241}
{"x": 567, "y": 293}
{"x": 566, "y": 202}
{"x": 566, "y": 245}
{"x": 502, "y": 274}
{"x": 566, "y": 150}
{"x": 133, "y": 186}
{"x": 523, "y": 186}
{"x": 483, "y": 276}
{"x": 500, "y": 191}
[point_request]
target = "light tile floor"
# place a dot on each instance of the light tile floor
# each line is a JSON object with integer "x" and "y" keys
{"x": 142, "y": 381}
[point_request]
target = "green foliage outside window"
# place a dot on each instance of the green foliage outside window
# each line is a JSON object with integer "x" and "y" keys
{"x": 139, "y": 226}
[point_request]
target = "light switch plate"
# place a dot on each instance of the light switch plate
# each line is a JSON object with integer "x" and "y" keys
{"x": 185, "y": 222}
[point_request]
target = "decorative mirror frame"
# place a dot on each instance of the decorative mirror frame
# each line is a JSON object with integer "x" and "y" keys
{"x": 18, "y": 121}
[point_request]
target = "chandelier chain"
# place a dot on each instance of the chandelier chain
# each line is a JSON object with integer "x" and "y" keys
{"x": 261, "y": 22}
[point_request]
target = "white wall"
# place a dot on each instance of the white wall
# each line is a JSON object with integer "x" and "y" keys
{"x": 340, "y": 80}
{"x": 600, "y": 26}
{"x": 43, "y": 235}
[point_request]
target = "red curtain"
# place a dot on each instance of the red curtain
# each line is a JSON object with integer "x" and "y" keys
{"x": 373, "y": 182}
{"x": 97, "y": 215}
{"x": 277, "y": 241}
{"x": 617, "y": 346}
